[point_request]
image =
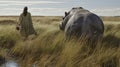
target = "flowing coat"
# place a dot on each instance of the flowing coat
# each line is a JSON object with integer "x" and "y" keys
{"x": 26, "y": 25}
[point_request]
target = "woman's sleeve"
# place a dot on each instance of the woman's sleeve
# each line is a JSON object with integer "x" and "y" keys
{"x": 20, "y": 20}
{"x": 30, "y": 18}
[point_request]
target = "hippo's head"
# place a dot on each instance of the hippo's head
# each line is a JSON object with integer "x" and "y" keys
{"x": 64, "y": 22}
{"x": 67, "y": 16}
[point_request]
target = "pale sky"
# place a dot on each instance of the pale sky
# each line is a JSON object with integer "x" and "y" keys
{"x": 58, "y": 7}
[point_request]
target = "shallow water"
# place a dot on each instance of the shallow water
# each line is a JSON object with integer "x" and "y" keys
{"x": 10, "y": 63}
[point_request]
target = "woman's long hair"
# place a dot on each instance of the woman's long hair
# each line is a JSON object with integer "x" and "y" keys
{"x": 25, "y": 11}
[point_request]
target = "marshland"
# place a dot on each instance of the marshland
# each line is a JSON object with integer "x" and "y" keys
{"x": 50, "y": 49}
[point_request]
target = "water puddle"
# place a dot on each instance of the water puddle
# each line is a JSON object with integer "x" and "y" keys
{"x": 10, "y": 63}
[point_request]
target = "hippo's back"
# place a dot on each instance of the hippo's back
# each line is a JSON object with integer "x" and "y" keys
{"x": 75, "y": 23}
{"x": 84, "y": 22}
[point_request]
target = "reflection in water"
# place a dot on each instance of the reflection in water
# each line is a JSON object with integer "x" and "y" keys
{"x": 10, "y": 64}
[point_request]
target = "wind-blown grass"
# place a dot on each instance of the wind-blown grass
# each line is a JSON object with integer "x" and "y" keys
{"x": 50, "y": 49}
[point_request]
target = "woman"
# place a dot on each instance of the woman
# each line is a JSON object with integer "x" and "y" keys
{"x": 26, "y": 26}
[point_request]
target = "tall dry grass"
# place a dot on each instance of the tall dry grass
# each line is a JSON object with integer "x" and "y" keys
{"x": 50, "y": 49}
{"x": 110, "y": 18}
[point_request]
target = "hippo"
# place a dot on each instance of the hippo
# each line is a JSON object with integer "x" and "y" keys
{"x": 79, "y": 21}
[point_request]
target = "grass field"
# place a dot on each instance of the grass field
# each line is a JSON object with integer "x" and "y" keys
{"x": 49, "y": 48}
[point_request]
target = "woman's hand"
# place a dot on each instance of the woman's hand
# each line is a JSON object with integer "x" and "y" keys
{"x": 18, "y": 27}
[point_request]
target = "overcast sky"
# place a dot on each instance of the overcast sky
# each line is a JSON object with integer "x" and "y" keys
{"x": 58, "y": 7}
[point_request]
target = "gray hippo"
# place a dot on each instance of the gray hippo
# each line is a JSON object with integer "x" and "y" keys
{"x": 79, "y": 21}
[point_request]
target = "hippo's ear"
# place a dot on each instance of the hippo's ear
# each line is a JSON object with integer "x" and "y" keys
{"x": 66, "y": 13}
{"x": 81, "y": 7}
{"x": 73, "y": 8}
